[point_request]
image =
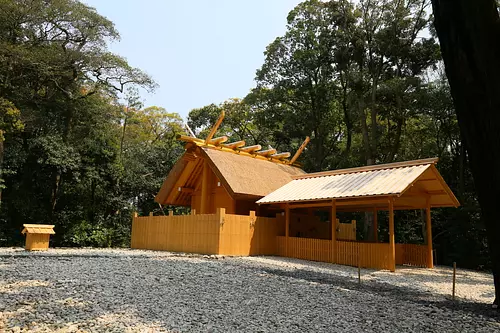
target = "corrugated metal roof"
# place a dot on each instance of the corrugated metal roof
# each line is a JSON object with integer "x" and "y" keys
{"x": 383, "y": 181}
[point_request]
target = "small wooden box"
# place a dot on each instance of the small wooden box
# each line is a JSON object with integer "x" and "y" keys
{"x": 37, "y": 236}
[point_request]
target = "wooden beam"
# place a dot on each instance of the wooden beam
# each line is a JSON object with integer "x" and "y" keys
{"x": 340, "y": 203}
{"x": 186, "y": 138}
{"x": 287, "y": 228}
{"x": 266, "y": 153}
{"x": 205, "y": 191}
{"x": 251, "y": 149}
{"x": 234, "y": 145}
{"x": 219, "y": 140}
{"x": 222, "y": 147}
{"x": 300, "y": 150}
{"x": 430, "y": 263}
{"x": 392, "y": 243}
{"x": 215, "y": 127}
{"x": 185, "y": 189}
{"x": 334, "y": 231}
{"x": 281, "y": 156}
{"x": 310, "y": 204}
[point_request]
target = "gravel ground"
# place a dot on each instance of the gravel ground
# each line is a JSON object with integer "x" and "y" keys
{"x": 102, "y": 290}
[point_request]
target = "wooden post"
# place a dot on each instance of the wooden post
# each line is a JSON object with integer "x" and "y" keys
{"x": 193, "y": 211}
{"x": 205, "y": 183}
{"x": 454, "y": 279}
{"x": 375, "y": 224}
{"x": 135, "y": 214}
{"x": 392, "y": 242}
{"x": 150, "y": 213}
{"x": 359, "y": 265}
{"x": 287, "y": 227}
{"x": 221, "y": 213}
{"x": 170, "y": 213}
{"x": 252, "y": 218}
{"x": 430, "y": 262}
{"x": 334, "y": 231}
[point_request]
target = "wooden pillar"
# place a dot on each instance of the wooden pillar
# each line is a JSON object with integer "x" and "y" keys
{"x": 205, "y": 192}
{"x": 392, "y": 243}
{"x": 287, "y": 227}
{"x": 430, "y": 262}
{"x": 375, "y": 224}
{"x": 334, "y": 231}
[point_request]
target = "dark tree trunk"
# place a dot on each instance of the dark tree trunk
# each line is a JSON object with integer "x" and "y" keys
{"x": 2, "y": 149}
{"x": 469, "y": 34}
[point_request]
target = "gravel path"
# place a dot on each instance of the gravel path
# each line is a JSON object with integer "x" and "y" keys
{"x": 102, "y": 290}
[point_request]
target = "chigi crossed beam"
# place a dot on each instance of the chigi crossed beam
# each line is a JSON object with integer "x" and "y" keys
{"x": 239, "y": 147}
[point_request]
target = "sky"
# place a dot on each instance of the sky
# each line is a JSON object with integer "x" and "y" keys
{"x": 198, "y": 51}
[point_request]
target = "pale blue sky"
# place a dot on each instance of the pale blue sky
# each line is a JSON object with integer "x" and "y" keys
{"x": 198, "y": 51}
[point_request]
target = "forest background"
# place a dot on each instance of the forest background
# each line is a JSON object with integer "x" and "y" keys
{"x": 364, "y": 79}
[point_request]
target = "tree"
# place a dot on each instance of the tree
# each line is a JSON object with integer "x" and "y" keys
{"x": 68, "y": 157}
{"x": 469, "y": 32}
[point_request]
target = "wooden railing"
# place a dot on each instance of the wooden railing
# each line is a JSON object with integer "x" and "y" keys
{"x": 366, "y": 255}
{"x": 412, "y": 255}
{"x": 243, "y": 235}
{"x": 305, "y": 248}
{"x": 219, "y": 233}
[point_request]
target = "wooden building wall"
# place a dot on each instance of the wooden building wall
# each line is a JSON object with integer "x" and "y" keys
{"x": 220, "y": 198}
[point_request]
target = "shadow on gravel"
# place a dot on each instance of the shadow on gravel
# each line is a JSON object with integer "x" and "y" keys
{"x": 390, "y": 291}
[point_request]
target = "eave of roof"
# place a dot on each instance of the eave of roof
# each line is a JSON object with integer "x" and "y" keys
{"x": 369, "y": 182}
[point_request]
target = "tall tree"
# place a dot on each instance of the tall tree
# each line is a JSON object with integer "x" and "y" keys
{"x": 469, "y": 34}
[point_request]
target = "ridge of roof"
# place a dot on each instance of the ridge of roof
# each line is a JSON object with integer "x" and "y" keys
{"x": 237, "y": 150}
{"x": 368, "y": 168}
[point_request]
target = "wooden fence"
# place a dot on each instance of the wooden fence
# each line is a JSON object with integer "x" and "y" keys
{"x": 346, "y": 231}
{"x": 367, "y": 255}
{"x": 305, "y": 248}
{"x": 229, "y": 234}
{"x": 219, "y": 233}
{"x": 412, "y": 255}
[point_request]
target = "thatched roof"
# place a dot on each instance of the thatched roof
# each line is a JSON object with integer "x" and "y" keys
{"x": 247, "y": 176}
{"x": 243, "y": 176}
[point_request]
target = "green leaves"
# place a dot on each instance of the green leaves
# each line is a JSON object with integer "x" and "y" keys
{"x": 70, "y": 153}
{"x": 10, "y": 121}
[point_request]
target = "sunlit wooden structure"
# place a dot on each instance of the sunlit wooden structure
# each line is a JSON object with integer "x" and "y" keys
{"x": 249, "y": 201}
{"x": 387, "y": 187}
{"x": 214, "y": 174}
{"x": 37, "y": 236}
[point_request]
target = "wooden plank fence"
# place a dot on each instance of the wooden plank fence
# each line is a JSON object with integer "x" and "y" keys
{"x": 367, "y": 255}
{"x": 220, "y": 233}
{"x": 242, "y": 235}
{"x": 412, "y": 255}
{"x": 346, "y": 231}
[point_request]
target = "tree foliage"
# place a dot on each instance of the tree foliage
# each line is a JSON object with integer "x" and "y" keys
{"x": 71, "y": 154}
